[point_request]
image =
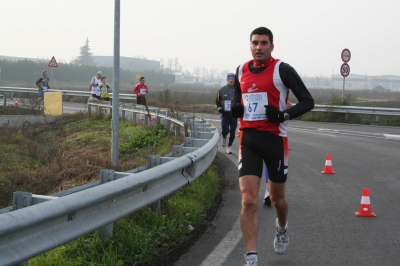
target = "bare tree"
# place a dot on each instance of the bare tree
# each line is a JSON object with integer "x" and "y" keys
{"x": 204, "y": 71}
{"x": 196, "y": 71}
{"x": 176, "y": 64}
{"x": 170, "y": 63}
{"x": 162, "y": 66}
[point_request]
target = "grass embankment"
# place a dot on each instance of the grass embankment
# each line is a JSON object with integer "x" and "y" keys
{"x": 72, "y": 151}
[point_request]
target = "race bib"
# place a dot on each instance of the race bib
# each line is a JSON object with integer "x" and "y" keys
{"x": 44, "y": 89}
{"x": 254, "y": 106}
{"x": 227, "y": 105}
{"x": 142, "y": 91}
{"x": 104, "y": 89}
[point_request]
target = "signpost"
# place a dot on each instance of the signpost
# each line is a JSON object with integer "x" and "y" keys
{"x": 345, "y": 68}
{"x": 52, "y": 63}
{"x": 138, "y": 76}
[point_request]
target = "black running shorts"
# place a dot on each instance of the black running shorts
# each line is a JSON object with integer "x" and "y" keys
{"x": 256, "y": 146}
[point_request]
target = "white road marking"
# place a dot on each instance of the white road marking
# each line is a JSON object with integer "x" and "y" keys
{"x": 220, "y": 253}
{"x": 390, "y": 136}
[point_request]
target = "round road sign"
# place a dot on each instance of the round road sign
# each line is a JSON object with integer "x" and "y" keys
{"x": 345, "y": 70}
{"x": 346, "y": 55}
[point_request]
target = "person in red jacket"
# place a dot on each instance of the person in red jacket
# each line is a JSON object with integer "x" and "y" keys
{"x": 141, "y": 90}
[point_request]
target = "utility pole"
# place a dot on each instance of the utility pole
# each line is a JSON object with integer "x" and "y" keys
{"x": 115, "y": 98}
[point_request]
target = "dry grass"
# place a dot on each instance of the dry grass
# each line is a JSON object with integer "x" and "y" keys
{"x": 48, "y": 158}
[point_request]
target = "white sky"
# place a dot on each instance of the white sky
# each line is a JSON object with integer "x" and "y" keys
{"x": 308, "y": 34}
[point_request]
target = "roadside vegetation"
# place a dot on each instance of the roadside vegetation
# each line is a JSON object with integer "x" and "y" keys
{"x": 48, "y": 158}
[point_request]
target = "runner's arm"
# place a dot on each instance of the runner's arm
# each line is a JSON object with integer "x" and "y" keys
{"x": 292, "y": 80}
{"x": 92, "y": 82}
{"x": 237, "y": 109}
{"x": 38, "y": 83}
{"x": 217, "y": 100}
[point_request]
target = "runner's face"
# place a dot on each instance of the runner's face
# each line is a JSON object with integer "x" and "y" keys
{"x": 231, "y": 81}
{"x": 142, "y": 81}
{"x": 44, "y": 74}
{"x": 261, "y": 47}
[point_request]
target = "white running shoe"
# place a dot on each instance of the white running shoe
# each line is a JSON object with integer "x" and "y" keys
{"x": 251, "y": 260}
{"x": 228, "y": 150}
{"x": 267, "y": 199}
{"x": 281, "y": 240}
{"x": 223, "y": 142}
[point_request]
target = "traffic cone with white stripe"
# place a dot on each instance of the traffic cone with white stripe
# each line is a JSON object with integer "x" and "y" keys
{"x": 328, "y": 166}
{"x": 365, "y": 205}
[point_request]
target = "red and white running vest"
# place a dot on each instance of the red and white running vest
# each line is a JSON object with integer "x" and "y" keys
{"x": 265, "y": 88}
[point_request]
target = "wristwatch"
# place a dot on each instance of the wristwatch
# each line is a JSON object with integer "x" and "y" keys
{"x": 286, "y": 116}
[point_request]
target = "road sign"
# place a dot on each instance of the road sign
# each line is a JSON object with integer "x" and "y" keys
{"x": 53, "y": 62}
{"x": 346, "y": 55}
{"x": 138, "y": 76}
{"x": 345, "y": 70}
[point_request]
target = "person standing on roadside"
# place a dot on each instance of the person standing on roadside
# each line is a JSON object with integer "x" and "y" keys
{"x": 94, "y": 85}
{"x": 141, "y": 90}
{"x": 228, "y": 122}
{"x": 43, "y": 85}
{"x": 260, "y": 97}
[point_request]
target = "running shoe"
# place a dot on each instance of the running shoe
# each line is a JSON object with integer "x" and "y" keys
{"x": 251, "y": 260}
{"x": 223, "y": 142}
{"x": 267, "y": 199}
{"x": 281, "y": 240}
{"x": 228, "y": 150}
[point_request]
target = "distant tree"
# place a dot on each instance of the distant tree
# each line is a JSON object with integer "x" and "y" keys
{"x": 85, "y": 57}
{"x": 176, "y": 64}
{"x": 196, "y": 71}
{"x": 170, "y": 62}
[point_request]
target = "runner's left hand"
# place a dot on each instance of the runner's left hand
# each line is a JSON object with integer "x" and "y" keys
{"x": 273, "y": 114}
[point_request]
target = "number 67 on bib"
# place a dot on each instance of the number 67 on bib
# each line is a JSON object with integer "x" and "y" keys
{"x": 254, "y": 106}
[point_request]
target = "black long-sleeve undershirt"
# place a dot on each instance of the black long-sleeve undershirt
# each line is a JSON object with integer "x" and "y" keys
{"x": 290, "y": 79}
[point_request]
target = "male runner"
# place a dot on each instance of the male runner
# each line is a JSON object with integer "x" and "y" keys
{"x": 94, "y": 85}
{"x": 228, "y": 122}
{"x": 43, "y": 85}
{"x": 260, "y": 96}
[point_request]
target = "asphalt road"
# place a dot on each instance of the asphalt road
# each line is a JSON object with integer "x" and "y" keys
{"x": 323, "y": 229}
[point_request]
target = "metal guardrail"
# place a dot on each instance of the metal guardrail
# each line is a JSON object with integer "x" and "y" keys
{"x": 36, "y": 224}
{"x": 64, "y": 92}
{"x": 377, "y": 111}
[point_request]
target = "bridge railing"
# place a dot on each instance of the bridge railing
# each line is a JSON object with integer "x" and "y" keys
{"x": 38, "y": 223}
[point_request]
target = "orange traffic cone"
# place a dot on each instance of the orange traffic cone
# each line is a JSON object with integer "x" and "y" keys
{"x": 16, "y": 102}
{"x": 238, "y": 133}
{"x": 365, "y": 205}
{"x": 328, "y": 166}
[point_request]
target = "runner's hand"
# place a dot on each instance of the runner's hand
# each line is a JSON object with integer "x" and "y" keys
{"x": 237, "y": 110}
{"x": 220, "y": 110}
{"x": 273, "y": 114}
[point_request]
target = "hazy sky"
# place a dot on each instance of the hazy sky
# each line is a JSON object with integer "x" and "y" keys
{"x": 308, "y": 34}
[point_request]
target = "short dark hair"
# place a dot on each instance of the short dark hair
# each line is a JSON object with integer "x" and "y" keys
{"x": 263, "y": 31}
{"x": 103, "y": 77}
{"x": 141, "y": 78}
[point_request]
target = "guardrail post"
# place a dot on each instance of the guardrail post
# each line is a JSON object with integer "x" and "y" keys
{"x": 105, "y": 177}
{"x": 146, "y": 120}
{"x": 134, "y": 117}
{"x": 154, "y": 161}
{"x": 122, "y": 114}
{"x": 168, "y": 125}
{"x": 377, "y": 118}
{"x": 22, "y": 200}
{"x": 99, "y": 110}
{"x": 89, "y": 108}
{"x": 346, "y": 117}
{"x": 177, "y": 150}
{"x": 177, "y": 130}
